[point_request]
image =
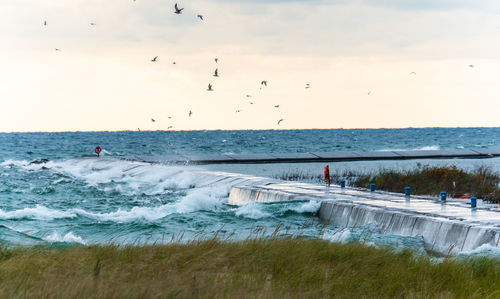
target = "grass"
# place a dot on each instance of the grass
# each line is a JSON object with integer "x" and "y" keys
{"x": 481, "y": 182}
{"x": 290, "y": 268}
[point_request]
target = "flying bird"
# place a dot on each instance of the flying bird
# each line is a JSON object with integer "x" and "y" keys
{"x": 170, "y": 127}
{"x": 200, "y": 16}
{"x": 238, "y": 111}
{"x": 251, "y": 103}
{"x": 471, "y": 65}
{"x": 263, "y": 83}
{"x": 153, "y": 120}
{"x": 216, "y": 60}
{"x": 174, "y": 62}
{"x": 280, "y": 121}
{"x": 369, "y": 93}
{"x": 57, "y": 49}
{"x": 190, "y": 113}
{"x": 93, "y": 24}
{"x": 209, "y": 87}
{"x": 170, "y": 117}
{"x": 413, "y": 73}
{"x": 216, "y": 73}
{"x": 177, "y": 9}
{"x": 276, "y": 106}
{"x": 154, "y": 59}
{"x": 248, "y": 95}
{"x": 44, "y": 23}
{"x": 308, "y": 86}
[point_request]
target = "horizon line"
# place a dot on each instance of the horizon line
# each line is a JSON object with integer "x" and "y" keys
{"x": 214, "y": 130}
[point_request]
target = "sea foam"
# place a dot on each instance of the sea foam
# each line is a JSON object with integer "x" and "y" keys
{"x": 38, "y": 213}
{"x": 67, "y": 238}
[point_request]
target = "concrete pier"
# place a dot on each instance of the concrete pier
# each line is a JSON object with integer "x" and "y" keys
{"x": 317, "y": 156}
{"x": 447, "y": 227}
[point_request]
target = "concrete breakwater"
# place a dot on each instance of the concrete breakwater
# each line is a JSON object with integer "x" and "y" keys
{"x": 317, "y": 156}
{"x": 448, "y": 227}
{"x": 445, "y": 227}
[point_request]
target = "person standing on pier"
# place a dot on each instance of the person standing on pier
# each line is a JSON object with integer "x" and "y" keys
{"x": 327, "y": 175}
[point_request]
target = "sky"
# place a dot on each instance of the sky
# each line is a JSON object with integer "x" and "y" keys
{"x": 369, "y": 64}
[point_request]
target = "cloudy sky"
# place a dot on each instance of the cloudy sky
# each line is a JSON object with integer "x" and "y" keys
{"x": 358, "y": 57}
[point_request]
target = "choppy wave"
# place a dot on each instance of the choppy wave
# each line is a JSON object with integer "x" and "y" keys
{"x": 421, "y": 148}
{"x": 126, "y": 177}
{"x": 256, "y": 210}
{"x": 483, "y": 250}
{"x": 252, "y": 210}
{"x": 189, "y": 204}
{"x": 39, "y": 212}
{"x": 67, "y": 238}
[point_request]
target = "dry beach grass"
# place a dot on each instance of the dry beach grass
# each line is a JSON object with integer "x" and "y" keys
{"x": 283, "y": 267}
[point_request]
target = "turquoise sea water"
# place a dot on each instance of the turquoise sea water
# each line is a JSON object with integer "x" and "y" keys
{"x": 75, "y": 198}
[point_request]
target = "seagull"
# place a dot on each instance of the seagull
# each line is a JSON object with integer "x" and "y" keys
{"x": 209, "y": 87}
{"x": 251, "y": 103}
{"x": 413, "y": 73}
{"x": 263, "y": 83}
{"x": 153, "y": 120}
{"x": 280, "y": 121}
{"x": 170, "y": 127}
{"x": 93, "y": 24}
{"x": 216, "y": 73}
{"x": 154, "y": 59}
{"x": 216, "y": 60}
{"x": 471, "y": 65}
{"x": 200, "y": 16}
{"x": 190, "y": 113}
{"x": 170, "y": 117}
{"x": 57, "y": 49}
{"x": 177, "y": 9}
{"x": 248, "y": 95}
{"x": 276, "y": 106}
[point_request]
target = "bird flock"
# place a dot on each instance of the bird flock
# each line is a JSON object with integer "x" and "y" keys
{"x": 263, "y": 84}
{"x": 178, "y": 10}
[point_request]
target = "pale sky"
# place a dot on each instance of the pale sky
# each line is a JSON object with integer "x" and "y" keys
{"x": 357, "y": 56}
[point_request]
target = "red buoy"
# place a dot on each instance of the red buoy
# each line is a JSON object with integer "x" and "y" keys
{"x": 97, "y": 150}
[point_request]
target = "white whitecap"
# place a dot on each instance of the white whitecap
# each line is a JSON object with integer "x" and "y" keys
{"x": 428, "y": 148}
{"x": 197, "y": 202}
{"x": 38, "y": 213}
{"x": 252, "y": 211}
{"x": 311, "y": 206}
{"x": 134, "y": 214}
{"x": 130, "y": 178}
{"x": 67, "y": 238}
{"x": 483, "y": 250}
{"x": 422, "y": 148}
{"x": 342, "y": 235}
{"x": 17, "y": 163}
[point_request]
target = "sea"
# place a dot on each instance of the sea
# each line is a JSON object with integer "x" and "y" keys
{"x": 75, "y": 198}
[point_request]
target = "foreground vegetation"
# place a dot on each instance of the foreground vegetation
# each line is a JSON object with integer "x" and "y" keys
{"x": 423, "y": 180}
{"x": 292, "y": 268}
